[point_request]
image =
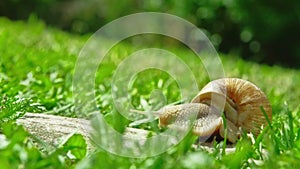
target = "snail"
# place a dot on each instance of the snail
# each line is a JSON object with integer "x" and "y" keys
{"x": 241, "y": 102}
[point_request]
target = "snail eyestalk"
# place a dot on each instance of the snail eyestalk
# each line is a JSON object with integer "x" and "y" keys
{"x": 149, "y": 116}
{"x": 147, "y": 113}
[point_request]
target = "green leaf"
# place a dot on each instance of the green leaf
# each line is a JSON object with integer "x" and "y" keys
{"x": 76, "y": 145}
{"x": 16, "y": 134}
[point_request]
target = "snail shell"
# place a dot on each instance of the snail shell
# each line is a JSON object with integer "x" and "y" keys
{"x": 242, "y": 102}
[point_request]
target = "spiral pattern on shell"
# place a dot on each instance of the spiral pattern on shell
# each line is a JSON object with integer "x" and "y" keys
{"x": 243, "y": 102}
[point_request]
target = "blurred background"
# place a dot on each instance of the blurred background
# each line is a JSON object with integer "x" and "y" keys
{"x": 261, "y": 31}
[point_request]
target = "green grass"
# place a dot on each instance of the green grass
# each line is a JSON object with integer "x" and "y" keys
{"x": 36, "y": 70}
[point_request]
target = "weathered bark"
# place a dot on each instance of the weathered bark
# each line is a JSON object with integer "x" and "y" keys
{"x": 51, "y": 129}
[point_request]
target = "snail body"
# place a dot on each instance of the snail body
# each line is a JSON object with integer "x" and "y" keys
{"x": 240, "y": 101}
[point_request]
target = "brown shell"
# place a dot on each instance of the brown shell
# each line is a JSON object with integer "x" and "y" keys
{"x": 241, "y": 100}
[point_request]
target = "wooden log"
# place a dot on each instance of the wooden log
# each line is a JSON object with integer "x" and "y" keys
{"x": 51, "y": 129}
